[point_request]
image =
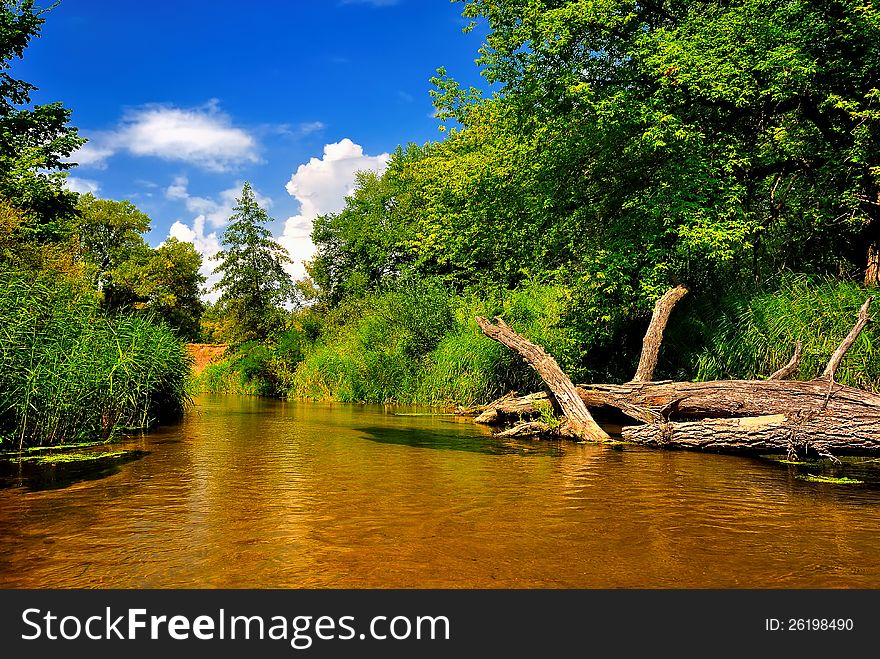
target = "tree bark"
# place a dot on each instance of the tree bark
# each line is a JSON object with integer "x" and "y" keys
{"x": 822, "y": 432}
{"x": 578, "y": 420}
{"x": 654, "y": 336}
{"x": 652, "y": 401}
{"x": 872, "y": 272}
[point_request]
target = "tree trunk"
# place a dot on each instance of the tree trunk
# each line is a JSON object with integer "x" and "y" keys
{"x": 652, "y": 401}
{"x": 578, "y": 420}
{"x": 822, "y": 432}
{"x": 872, "y": 272}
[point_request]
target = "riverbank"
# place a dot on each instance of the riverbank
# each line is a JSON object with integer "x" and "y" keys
{"x": 422, "y": 345}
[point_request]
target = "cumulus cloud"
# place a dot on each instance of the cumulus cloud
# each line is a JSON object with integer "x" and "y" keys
{"x": 82, "y": 185}
{"x": 216, "y": 211}
{"x": 202, "y": 136}
{"x": 320, "y": 186}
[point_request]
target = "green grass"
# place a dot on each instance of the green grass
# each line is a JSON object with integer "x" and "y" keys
{"x": 751, "y": 334}
{"x": 68, "y": 373}
{"x": 419, "y": 344}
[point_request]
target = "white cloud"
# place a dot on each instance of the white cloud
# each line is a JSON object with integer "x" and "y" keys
{"x": 202, "y": 136}
{"x": 82, "y": 185}
{"x": 205, "y": 244}
{"x": 177, "y": 190}
{"x": 91, "y": 155}
{"x": 310, "y": 127}
{"x": 321, "y": 186}
{"x": 216, "y": 211}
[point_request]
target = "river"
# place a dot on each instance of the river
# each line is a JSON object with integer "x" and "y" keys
{"x": 259, "y": 493}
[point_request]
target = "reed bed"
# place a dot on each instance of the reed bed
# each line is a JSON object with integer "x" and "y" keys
{"x": 69, "y": 373}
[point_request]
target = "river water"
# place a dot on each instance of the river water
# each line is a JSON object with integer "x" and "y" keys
{"x": 257, "y": 493}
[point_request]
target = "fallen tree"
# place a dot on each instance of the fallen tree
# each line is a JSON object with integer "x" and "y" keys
{"x": 772, "y": 415}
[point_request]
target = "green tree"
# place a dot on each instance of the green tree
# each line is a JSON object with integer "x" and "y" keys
{"x": 34, "y": 141}
{"x": 722, "y": 137}
{"x": 111, "y": 238}
{"x": 166, "y": 281}
{"x": 254, "y": 285}
{"x": 359, "y": 247}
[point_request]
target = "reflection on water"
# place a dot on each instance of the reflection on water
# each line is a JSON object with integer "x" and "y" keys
{"x": 258, "y": 493}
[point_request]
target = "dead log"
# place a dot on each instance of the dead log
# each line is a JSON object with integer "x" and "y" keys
{"x": 578, "y": 420}
{"x": 512, "y": 409}
{"x": 651, "y": 401}
{"x": 735, "y": 415}
{"x": 654, "y": 336}
{"x": 820, "y": 432}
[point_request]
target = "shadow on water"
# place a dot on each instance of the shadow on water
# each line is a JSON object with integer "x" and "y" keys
{"x": 59, "y": 470}
{"x": 447, "y": 441}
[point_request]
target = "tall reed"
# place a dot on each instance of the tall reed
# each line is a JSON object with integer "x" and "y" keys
{"x": 69, "y": 373}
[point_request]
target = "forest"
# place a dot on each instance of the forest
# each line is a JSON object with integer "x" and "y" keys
{"x": 617, "y": 149}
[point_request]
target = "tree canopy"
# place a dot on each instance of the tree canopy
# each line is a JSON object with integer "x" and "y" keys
{"x": 36, "y": 141}
{"x": 630, "y": 144}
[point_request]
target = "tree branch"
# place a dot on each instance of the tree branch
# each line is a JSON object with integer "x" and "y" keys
{"x": 792, "y": 366}
{"x": 654, "y": 335}
{"x": 846, "y": 344}
{"x": 579, "y": 422}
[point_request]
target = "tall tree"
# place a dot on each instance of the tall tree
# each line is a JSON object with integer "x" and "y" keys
{"x": 34, "y": 141}
{"x": 254, "y": 285}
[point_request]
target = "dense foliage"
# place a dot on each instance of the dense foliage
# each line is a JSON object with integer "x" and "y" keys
{"x": 69, "y": 372}
{"x": 624, "y": 147}
{"x": 83, "y": 349}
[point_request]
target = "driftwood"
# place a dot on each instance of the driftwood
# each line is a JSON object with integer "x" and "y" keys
{"x": 654, "y": 335}
{"x": 821, "y": 432}
{"x": 771, "y": 415}
{"x": 578, "y": 420}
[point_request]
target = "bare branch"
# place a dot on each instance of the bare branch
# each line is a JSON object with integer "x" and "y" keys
{"x": 792, "y": 366}
{"x": 846, "y": 344}
{"x": 580, "y": 421}
{"x": 654, "y": 335}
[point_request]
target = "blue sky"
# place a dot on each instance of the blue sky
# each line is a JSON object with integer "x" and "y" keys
{"x": 184, "y": 100}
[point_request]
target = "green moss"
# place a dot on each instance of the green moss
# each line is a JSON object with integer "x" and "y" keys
{"x": 830, "y": 479}
{"x": 33, "y": 450}
{"x": 67, "y": 457}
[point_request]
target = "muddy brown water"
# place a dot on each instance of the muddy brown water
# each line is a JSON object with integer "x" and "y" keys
{"x": 248, "y": 492}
